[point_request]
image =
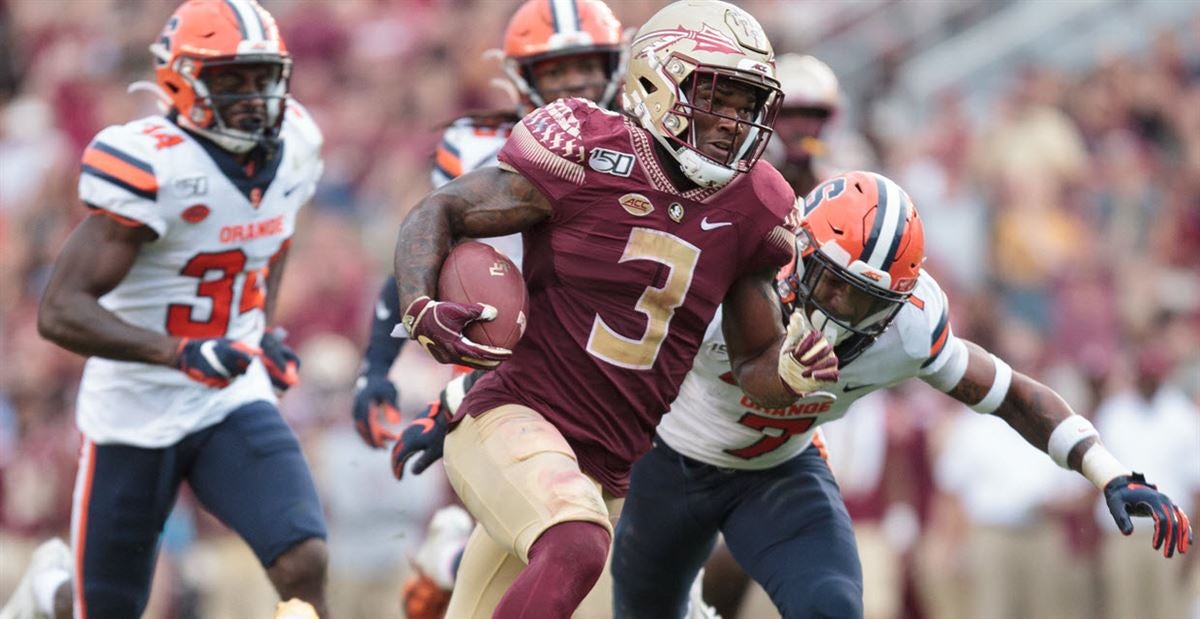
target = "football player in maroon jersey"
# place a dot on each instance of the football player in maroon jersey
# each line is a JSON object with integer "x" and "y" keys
{"x": 637, "y": 228}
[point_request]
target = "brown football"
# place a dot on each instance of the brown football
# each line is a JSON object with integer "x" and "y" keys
{"x": 475, "y": 272}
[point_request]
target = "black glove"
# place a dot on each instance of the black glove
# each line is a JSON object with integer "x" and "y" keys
{"x": 215, "y": 361}
{"x": 426, "y": 434}
{"x": 283, "y": 366}
{"x": 1131, "y": 495}
{"x": 375, "y": 400}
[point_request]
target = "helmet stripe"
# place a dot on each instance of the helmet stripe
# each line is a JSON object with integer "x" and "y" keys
{"x": 887, "y": 215}
{"x": 901, "y": 222}
{"x": 248, "y": 21}
{"x": 566, "y": 16}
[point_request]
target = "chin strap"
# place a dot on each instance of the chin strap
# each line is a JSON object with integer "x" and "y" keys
{"x": 161, "y": 98}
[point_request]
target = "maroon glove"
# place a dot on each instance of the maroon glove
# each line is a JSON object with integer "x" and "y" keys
{"x": 438, "y": 327}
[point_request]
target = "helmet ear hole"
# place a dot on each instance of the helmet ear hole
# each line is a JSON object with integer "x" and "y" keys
{"x": 647, "y": 85}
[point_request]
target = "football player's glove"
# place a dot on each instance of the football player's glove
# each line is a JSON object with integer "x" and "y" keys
{"x": 1131, "y": 495}
{"x": 807, "y": 361}
{"x": 426, "y": 434}
{"x": 423, "y": 598}
{"x": 282, "y": 363}
{"x": 214, "y": 362}
{"x": 438, "y": 327}
{"x": 375, "y": 401}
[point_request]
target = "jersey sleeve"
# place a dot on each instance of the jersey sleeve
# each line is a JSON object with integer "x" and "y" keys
{"x": 303, "y": 133}
{"x": 547, "y": 147}
{"x": 447, "y": 157}
{"x": 775, "y": 241}
{"x": 117, "y": 175}
{"x": 945, "y": 360}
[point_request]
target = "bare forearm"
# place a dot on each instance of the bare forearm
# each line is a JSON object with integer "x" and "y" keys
{"x": 487, "y": 202}
{"x": 426, "y": 237}
{"x": 759, "y": 379}
{"x": 79, "y": 324}
{"x": 274, "y": 281}
{"x": 1034, "y": 411}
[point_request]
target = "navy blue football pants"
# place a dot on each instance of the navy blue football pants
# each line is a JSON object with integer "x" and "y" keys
{"x": 247, "y": 471}
{"x": 786, "y": 526}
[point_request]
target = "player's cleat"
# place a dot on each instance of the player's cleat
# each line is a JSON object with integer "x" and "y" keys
{"x": 424, "y": 599}
{"x": 295, "y": 608}
{"x": 697, "y": 609}
{"x": 444, "y": 541}
{"x": 52, "y": 556}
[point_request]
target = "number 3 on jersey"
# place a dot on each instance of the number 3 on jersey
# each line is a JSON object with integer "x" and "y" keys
{"x": 658, "y": 304}
{"x": 218, "y": 291}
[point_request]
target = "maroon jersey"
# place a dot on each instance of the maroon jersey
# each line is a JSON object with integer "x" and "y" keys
{"x": 623, "y": 279}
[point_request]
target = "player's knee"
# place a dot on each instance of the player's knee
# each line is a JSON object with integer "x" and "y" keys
{"x": 836, "y": 597}
{"x": 830, "y": 598}
{"x": 581, "y": 548}
{"x": 300, "y": 568}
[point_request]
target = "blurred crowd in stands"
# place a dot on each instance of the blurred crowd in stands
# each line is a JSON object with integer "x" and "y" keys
{"x": 1064, "y": 224}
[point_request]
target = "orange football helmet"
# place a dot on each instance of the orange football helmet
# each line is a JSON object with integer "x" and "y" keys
{"x": 203, "y": 35}
{"x": 859, "y": 252}
{"x": 545, "y": 29}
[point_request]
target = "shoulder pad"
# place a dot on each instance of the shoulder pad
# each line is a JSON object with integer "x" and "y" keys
{"x": 924, "y": 323}
{"x": 124, "y": 156}
{"x": 120, "y": 170}
{"x": 299, "y": 128}
{"x": 773, "y": 191}
{"x": 551, "y": 138}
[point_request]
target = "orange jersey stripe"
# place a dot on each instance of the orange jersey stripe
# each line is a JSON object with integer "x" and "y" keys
{"x": 120, "y": 169}
{"x": 940, "y": 342}
{"x": 449, "y": 162}
{"x": 818, "y": 441}
{"x": 124, "y": 221}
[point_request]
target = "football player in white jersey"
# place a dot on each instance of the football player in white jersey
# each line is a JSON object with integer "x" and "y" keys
{"x": 169, "y": 288}
{"x": 723, "y": 463}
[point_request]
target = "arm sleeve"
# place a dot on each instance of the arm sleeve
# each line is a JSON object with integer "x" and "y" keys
{"x": 117, "y": 175}
{"x": 382, "y": 349}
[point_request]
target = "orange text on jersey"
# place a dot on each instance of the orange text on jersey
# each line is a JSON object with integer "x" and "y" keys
{"x": 253, "y": 230}
{"x": 799, "y": 408}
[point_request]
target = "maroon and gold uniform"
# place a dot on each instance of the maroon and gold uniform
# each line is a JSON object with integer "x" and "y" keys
{"x": 623, "y": 279}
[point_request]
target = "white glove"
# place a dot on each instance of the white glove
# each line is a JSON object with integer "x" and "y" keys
{"x": 806, "y": 360}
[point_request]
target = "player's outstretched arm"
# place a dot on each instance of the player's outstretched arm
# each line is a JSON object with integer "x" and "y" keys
{"x": 772, "y": 365}
{"x": 1044, "y": 419}
{"x": 492, "y": 201}
{"x": 96, "y": 257}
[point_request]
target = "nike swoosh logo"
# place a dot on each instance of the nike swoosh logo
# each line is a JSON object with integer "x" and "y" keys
{"x": 848, "y": 388}
{"x": 706, "y": 225}
{"x": 288, "y": 192}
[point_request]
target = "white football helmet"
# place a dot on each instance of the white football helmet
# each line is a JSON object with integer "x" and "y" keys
{"x": 807, "y": 83}
{"x": 691, "y": 42}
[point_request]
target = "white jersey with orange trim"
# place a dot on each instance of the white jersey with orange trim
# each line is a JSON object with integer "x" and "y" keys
{"x": 218, "y": 226}
{"x": 714, "y": 422}
{"x": 468, "y": 144}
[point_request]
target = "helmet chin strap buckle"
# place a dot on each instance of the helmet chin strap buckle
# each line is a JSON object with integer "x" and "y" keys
{"x": 701, "y": 170}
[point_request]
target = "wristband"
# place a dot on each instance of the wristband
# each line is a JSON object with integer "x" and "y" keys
{"x": 995, "y": 396}
{"x": 1067, "y": 435}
